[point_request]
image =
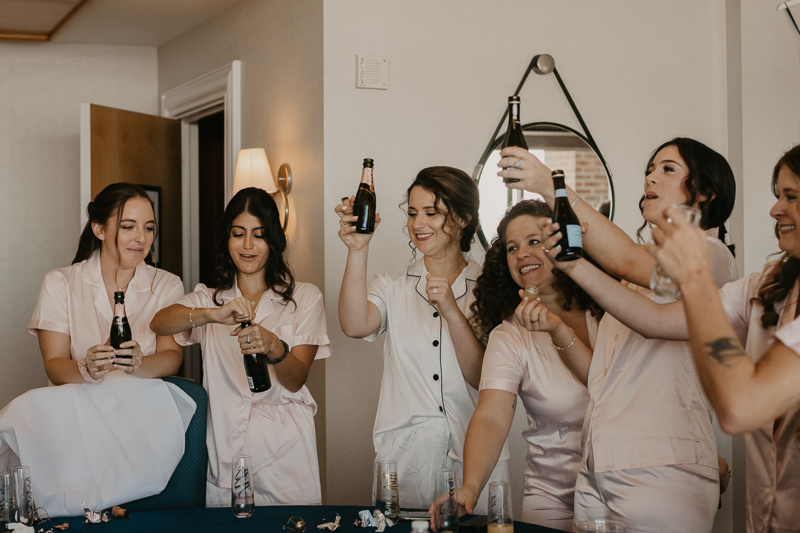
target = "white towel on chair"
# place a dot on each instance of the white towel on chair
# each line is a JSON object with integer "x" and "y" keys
{"x": 100, "y": 444}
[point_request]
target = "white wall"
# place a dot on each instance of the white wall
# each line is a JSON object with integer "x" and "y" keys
{"x": 639, "y": 71}
{"x": 43, "y": 85}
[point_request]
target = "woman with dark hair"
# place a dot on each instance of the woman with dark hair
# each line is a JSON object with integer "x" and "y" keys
{"x": 529, "y": 338}
{"x": 649, "y": 456}
{"x": 107, "y": 432}
{"x": 432, "y": 356}
{"x": 759, "y": 395}
{"x": 255, "y": 284}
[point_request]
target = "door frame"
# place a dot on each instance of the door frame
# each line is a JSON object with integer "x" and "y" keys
{"x": 217, "y": 90}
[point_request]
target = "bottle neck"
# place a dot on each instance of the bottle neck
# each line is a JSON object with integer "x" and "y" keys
{"x": 366, "y": 176}
{"x": 119, "y": 309}
{"x": 558, "y": 183}
{"x": 513, "y": 113}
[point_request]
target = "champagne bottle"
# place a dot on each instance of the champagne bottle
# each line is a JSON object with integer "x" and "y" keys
{"x": 255, "y": 366}
{"x": 514, "y": 135}
{"x": 364, "y": 206}
{"x": 120, "y": 329}
{"x": 570, "y": 227}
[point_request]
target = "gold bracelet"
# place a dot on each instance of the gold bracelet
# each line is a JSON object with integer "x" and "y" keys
{"x": 568, "y": 346}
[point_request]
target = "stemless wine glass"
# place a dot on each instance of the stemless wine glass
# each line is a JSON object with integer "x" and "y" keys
{"x": 660, "y": 282}
{"x": 601, "y": 525}
{"x": 500, "y": 516}
{"x": 445, "y": 513}
{"x": 9, "y": 511}
{"x": 242, "y": 501}
{"x": 24, "y": 494}
{"x": 388, "y": 496}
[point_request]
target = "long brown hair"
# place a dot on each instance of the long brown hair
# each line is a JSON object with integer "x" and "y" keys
{"x": 781, "y": 278}
{"x": 496, "y": 292}
{"x": 109, "y": 202}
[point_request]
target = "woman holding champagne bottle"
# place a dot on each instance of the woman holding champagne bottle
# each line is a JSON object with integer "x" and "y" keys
{"x": 432, "y": 356}
{"x": 255, "y": 284}
{"x": 105, "y": 431}
{"x": 529, "y": 338}
{"x": 649, "y": 452}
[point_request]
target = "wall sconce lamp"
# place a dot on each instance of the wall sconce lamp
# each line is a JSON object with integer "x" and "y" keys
{"x": 253, "y": 170}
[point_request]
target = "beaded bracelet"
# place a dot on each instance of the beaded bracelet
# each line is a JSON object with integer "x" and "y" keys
{"x": 190, "y": 316}
{"x": 568, "y": 346}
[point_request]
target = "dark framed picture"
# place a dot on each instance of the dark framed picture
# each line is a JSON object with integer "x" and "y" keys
{"x": 155, "y": 195}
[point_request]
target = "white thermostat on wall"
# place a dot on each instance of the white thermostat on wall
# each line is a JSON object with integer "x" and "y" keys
{"x": 372, "y": 72}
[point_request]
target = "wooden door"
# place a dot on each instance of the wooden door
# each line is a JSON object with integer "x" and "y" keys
{"x": 145, "y": 150}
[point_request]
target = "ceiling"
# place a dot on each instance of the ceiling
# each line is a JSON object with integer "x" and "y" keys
{"x": 124, "y": 22}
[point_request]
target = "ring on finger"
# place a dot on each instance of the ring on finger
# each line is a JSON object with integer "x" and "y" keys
{"x": 545, "y": 250}
{"x": 435, "y": 291}
{"x": 534, "y": 321}
{"x": 248, "y": 339}
{"x": 518, "y": 163}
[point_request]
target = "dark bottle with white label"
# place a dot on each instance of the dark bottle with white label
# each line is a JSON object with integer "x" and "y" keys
{"x": 255, "y": 366}
{"x": 570, "y": 227}
{"x": 365, "y": 204}
{"x": 120, "y": 329}
{"x": 514, "y": 135}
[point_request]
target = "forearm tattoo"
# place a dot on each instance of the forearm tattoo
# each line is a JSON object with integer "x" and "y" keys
{"x": 514, "y": 405}
{"x": 724, "y": 350}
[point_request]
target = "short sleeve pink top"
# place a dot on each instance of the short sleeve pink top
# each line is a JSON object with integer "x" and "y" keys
{"x": 527, "y": 364}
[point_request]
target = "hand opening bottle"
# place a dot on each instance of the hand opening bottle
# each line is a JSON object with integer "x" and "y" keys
{"x": 120, "y": 329}
{"x": 255, "y": 366}
{"x": 570, "y": 227}
{"x": 514, "y": 135}
{"x": 365, "y": 204}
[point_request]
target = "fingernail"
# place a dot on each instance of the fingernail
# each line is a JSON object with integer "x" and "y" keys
{"x": 557, "y": 234}
{"x": 558, "y": 247}
{"x": 556, "y": 226}
{"x": 549, "y": 220}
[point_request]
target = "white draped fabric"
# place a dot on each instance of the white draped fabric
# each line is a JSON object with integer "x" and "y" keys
{"x": 100, "y": 444}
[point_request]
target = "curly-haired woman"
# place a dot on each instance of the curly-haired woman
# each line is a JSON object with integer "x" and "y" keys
{"x": 527, "y": 341}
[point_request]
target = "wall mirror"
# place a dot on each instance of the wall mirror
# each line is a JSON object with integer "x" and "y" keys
{"x": 558, "y": 146}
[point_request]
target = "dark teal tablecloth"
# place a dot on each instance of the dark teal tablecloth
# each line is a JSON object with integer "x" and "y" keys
{"x": 264, "y": 520}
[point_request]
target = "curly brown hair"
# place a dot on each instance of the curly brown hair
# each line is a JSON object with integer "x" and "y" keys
{"x": 496, "y": 292}
{"x": 781, "y": 278}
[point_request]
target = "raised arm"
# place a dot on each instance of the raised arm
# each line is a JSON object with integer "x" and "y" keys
{"x": 745, "y": 395}
{"x": 604, "y": 241}
{"x": 358, "y": 317}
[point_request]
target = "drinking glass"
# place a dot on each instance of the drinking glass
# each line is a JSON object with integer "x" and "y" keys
{"x": 660, "y": 282}
{"x": 501, "y": 519}
{"x": 242, "y": 500}
{"x": 601, "y": 525}
{"x": 24, "y": 494}
{"x": 9, "y": 511}
{"x": 388, "y": 495}
{"x": 445, "y": 512}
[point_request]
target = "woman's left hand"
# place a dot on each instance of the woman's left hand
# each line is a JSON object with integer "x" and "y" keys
{"x": 132, "y": 350}
{"x": 440, "y": 295}
{"x": 257, "y": 340}
{"x": 533, "y": 316}
{"x": 550, "y": 237}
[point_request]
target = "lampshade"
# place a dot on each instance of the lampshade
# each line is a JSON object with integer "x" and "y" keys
{"x": 252, "y": 170}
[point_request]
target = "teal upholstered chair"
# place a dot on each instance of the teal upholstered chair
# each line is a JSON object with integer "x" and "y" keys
{"x": 186, "y": 488}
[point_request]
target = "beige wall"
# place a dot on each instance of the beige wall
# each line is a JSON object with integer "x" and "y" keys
{"x": 41, "y": 91}
{"x": 279, "y": 43}
{"x": 641, "y": 72}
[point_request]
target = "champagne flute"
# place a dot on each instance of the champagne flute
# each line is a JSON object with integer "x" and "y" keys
{"x": 242, "y": 500}
{"x": 446, "y": 504}
{"x": 500, "y": 515}
{"x": 660, "y": 282}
